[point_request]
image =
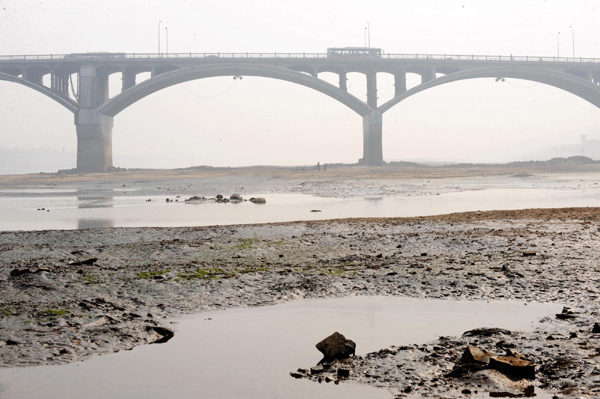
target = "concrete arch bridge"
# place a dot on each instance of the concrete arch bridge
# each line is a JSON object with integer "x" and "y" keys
{"x": 94, "y": 111}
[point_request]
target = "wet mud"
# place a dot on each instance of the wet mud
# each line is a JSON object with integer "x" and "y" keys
{"x": 69, "y": 295}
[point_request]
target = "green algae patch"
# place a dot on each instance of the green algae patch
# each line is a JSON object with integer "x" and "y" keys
{"x": 246, "y": 243}
{"x": 54, "y": 313}
{"x": 333, "y": 272}
{"x": 91, "y": 279}
{"x": 206, "y": 274}
{"x": 150, "y": 275}
{"x": 252, "y": 270}
{"x": 8, "y": 311}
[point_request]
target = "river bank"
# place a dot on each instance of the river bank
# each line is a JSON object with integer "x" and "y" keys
{"x": 69, "y": 295}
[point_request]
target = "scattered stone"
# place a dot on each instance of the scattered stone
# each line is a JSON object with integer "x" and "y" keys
{"x": 235, "y": 197}
{"x": 566, "y": 314}
{"x": 318, "y": 369}
{"x": 164, "y": 334}
{"x": 529, "y": 253}
{"x": 316, "y": 210}
{"x": 473, "y": 354}
{"x": 87, "y": 262}
{"x": 345, "y": 373}
{"x": 596, "y": 329}
{"x": 258, "y": 200}
{"x": 335, "y": 347}
{"x": 486, "y": 332}
{"x": 514, "y": 366}
{"x": 19, "y": 272}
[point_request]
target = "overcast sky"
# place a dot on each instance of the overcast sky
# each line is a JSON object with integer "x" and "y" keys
{"x": 264, "y": 121}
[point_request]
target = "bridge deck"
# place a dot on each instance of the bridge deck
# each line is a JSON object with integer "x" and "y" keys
{"x": 287, "y": 56}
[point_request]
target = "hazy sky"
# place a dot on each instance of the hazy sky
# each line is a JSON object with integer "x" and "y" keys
{"x": 264, "y": 121}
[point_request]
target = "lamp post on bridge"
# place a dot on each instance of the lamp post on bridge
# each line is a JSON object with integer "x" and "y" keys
{"x": 558, "y": 45}
{"x": 159, "y": 38}
{"x": 573, "y": 36}
{"x": 167, "y": 35}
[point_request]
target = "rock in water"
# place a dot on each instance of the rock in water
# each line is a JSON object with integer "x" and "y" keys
{"x": 336, "y": 346}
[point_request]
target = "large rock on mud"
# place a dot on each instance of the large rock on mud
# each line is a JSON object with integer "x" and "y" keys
{"x": 514, "y": 366}
{"x": 235, "y": 197}
{"x": 472, "y": 354}
{"x": 335, "y": 347}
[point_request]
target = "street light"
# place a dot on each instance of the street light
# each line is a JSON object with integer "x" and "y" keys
{"x": 369, "y": 30}
{"x": 167, "y": 34}
{"x": 558, "y": 44}
{"x": 573, "y": 35}
{"x": 159, "y": 38}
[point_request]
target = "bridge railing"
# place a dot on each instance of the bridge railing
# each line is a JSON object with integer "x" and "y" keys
{"x": 179, "y": 56}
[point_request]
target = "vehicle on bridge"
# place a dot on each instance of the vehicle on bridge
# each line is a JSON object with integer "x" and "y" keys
{"x": 344, "y": 52}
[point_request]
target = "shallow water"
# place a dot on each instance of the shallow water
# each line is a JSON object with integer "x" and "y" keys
{"x": 69, "y": 211}
{"x": 248, "y": 353}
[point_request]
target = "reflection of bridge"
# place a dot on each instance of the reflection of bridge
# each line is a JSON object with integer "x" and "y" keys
{"x": 94, "y": 110}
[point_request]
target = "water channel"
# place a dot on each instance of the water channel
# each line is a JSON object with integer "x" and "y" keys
{"x": 72, "y": 211}
{"x": 248, "y": 353}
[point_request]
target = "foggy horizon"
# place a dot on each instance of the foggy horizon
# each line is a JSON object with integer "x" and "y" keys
{"x": 259, "y": 121}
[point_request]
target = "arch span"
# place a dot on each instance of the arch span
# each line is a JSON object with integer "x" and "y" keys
{"x": 580, "y": 87}
{"x": 136, "y": 93}
{"x": 66, "y": 102}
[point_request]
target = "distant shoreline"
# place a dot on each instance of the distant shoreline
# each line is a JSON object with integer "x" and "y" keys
{"x": 394, "y": 170}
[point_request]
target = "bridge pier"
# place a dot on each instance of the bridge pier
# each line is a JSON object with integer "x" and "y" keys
{"x": 94, "y": 141}
{"x": 372, "y": 139}
{"x": 94, "y": 130}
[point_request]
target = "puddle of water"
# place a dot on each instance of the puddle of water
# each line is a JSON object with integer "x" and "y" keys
{"x": 72, "y": 212}
{"x": 248, "y": 353}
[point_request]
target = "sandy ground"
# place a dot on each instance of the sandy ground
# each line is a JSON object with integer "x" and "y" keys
{"x": 69, "y": 295}
{"x": 302, "y": 173}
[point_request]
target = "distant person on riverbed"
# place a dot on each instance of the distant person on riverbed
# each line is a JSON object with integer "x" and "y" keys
{"x": 319, "y": 166}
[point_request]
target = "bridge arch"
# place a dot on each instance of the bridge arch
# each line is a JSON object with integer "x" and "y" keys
{"x": 118, "y": 103}
{"x": 564, "y": 81}
{"x": 65, "y": 102}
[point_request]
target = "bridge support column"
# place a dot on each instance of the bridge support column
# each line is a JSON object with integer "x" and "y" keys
{"x": 427, "y": 76}
{"x": 343, "y": 81}
{"x": 94, "y": 141}
{"x": 94, "y": 130}
{"x": 128, "y": 80}
{"x": 372, "y": 89}
{"x": 372, "y": 139}
{"x": 399, "y": 83}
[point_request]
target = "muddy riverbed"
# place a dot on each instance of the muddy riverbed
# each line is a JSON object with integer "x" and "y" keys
{"x": 70, "y": 295}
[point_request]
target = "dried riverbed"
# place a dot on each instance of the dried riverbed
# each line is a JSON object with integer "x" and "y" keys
{"x": 68, "y": 295}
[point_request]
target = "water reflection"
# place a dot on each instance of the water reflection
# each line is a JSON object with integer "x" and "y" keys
{"x": 94, "y": 202}
{"x": 94, "y": 223}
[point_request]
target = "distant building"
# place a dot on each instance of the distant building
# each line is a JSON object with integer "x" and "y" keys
{"x": 587, "y": 148}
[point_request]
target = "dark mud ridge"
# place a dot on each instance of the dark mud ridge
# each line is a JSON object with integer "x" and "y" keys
{"x": 68, "y": 295}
